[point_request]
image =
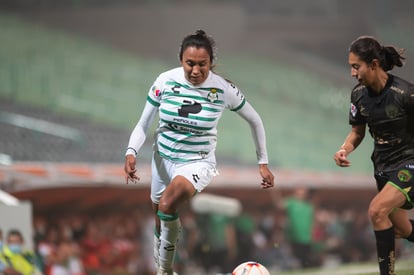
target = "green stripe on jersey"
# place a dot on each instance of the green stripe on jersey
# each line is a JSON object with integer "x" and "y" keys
{"x": 214, "y": 110}
{"x": 176, "y": 103}
{"x": 174, "y": 159}
{"x": 189, "y": 116}
{"x": 178, "y": 150}
{"x": 184, "y": 141}
{"x": 150, "y": 100}
{"x": 198, "y": 98}
{"x": 193, "y": 88}
{"x": 188, "y": 126}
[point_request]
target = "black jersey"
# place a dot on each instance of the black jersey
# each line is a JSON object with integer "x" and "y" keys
{"x": 390, "y": 119}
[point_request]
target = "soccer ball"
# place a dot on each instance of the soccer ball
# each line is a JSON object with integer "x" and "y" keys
{"x": 250, "y": 268}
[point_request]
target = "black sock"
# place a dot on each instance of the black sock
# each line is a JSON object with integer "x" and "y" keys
{"x": 386, "y": 250}
{"x": 411, "y": 236}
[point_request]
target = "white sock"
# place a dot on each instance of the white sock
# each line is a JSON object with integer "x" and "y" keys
{"x": 170, "y": 230}
{"x": 156, "y": 249}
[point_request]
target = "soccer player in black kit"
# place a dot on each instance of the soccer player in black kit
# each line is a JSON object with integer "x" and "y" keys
{"x": 385, "y": 103}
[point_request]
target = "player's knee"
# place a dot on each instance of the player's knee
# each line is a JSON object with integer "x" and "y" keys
{"x": 376, "y": 213}
{"x": 165, "y": 206}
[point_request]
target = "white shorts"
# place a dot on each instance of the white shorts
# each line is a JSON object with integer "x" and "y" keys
{"x": 200, "y": 173}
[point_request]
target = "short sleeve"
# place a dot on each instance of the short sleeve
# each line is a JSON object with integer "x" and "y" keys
{"x": 155, "y": 92}
{"x": 355, "y": 116}
{"x": 234, "y": 97}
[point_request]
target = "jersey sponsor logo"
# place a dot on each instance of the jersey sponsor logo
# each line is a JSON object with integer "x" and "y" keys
{"x": 156, "y": 91}
{"x": 353, "y": 110}
{"x": 404, "y": 175}
{"x": 192, "y": 107}
{"x": 186, "y": 121}
{"x": 175, "y": 127}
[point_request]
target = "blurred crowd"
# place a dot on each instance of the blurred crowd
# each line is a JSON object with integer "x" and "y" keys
{"x": 120, "y": 242}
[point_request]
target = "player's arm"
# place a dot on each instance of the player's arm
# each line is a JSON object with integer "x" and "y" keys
{"x": 248, "y": 113}
{"x": 352, "y": 141}
{"x": 136, "y": 140}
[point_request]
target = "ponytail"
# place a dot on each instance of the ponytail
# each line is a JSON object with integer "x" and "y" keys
{"x": 367, "y": 48}
{"x": 392, "y": 57}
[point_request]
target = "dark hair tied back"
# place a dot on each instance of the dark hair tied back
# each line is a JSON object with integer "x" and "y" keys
{"x": 392, "y": 57}
{"x": 199, "y": 40}
{"x": 201, "y": 32}
{"x": 367, "y": 48}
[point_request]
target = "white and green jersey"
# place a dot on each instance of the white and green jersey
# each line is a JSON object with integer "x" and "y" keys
{"x": 189, "y": 115}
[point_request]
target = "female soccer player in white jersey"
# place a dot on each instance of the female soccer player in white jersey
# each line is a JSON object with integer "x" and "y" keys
{"x": 189, "y": 100}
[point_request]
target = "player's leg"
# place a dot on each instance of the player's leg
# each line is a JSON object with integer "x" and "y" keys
{"x": 160, "y": 178}
{"x": 401, "y": 222}
{"x": 410, "y": 237}
{"x": 177, "y": 192}
{"x": 403, "y": 180}
{"x": 380, "y": 209}
{"x": 156, "y": 245}
{"x": 188, "y": 179}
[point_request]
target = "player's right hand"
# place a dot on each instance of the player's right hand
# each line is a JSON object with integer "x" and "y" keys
{"x": 130, "y": 170}
{"x": 340, "y": 158}
{"x": 267, "y": 176}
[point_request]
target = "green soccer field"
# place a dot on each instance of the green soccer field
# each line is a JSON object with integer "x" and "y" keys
{"x": 403, "y": 267}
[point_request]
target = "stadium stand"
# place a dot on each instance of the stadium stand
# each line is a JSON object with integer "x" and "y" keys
{"x": 31, "y": 133}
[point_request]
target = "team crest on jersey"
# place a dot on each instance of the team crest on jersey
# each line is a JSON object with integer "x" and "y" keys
{"x": 353, "y": 110}
{"x": 404, "y": 175}
{"x": 156, "y": 91}
{"x": 391, "y": 110}
{"x": 212, "y": 95}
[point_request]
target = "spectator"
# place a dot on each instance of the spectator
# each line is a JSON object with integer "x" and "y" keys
{"x": 1, "y": 240}
{"x": 95, "y": 246}
{"x": 66, "y": 260}
{"x": 2, "y": 259}
{"x": 218, "y": 247}
{"x": 300, "y": 220}
{"x": 18, "y": 260}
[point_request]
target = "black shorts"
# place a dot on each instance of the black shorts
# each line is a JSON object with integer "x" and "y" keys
{"x": 402, "y": 179}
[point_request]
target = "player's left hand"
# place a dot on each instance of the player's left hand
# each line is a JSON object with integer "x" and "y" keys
{"x": 267, "y": 176}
